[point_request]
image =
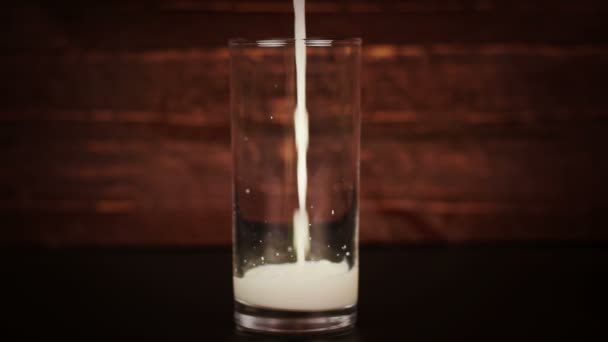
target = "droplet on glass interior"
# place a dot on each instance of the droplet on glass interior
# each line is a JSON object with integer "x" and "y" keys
{"x": 289, "y": 249}
{"x": 347, "y": 253}
{"x": 277, "y": 254}
{"x": 247, "y": 191}
{"x": 344, "y": 247}
{"x": 332, "y": 211}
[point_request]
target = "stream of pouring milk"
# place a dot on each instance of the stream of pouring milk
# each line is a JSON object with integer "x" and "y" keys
{"x": 301, "y": 232}
{"x": 305, "y": 285}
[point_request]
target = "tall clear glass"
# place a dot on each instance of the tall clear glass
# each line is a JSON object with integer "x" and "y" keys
{"x": 282, "y": 283}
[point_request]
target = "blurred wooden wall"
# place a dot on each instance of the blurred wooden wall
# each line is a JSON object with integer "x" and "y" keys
{"x": 483, "y": 120}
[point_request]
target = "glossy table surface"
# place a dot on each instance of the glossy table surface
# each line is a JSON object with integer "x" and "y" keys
{"x": 509, "y": 292}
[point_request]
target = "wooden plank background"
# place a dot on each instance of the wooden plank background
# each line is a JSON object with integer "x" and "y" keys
{"x": 482, "y": 120}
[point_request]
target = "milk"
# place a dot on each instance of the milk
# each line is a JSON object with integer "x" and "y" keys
{"x": 300, "y": 216}
{"x": 309, "y": 286}
{"x": 304, "y": 285}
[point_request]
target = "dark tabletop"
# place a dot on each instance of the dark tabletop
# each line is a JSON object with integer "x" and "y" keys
{"x": 506, "y": 292}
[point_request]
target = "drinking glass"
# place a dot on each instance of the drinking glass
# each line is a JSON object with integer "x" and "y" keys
{"x": 283, "y": 284}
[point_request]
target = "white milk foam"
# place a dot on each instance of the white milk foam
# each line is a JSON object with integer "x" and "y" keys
{"x": 310, "y": 286}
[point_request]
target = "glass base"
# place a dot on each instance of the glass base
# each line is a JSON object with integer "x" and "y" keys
{"x": 268, "y": 321}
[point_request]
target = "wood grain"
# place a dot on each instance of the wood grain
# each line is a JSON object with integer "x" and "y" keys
{"x": 114, "y": 124}
{"x": 35, "y": 26}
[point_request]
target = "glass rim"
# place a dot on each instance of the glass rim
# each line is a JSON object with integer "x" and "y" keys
{"x": 280, "y": 42}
